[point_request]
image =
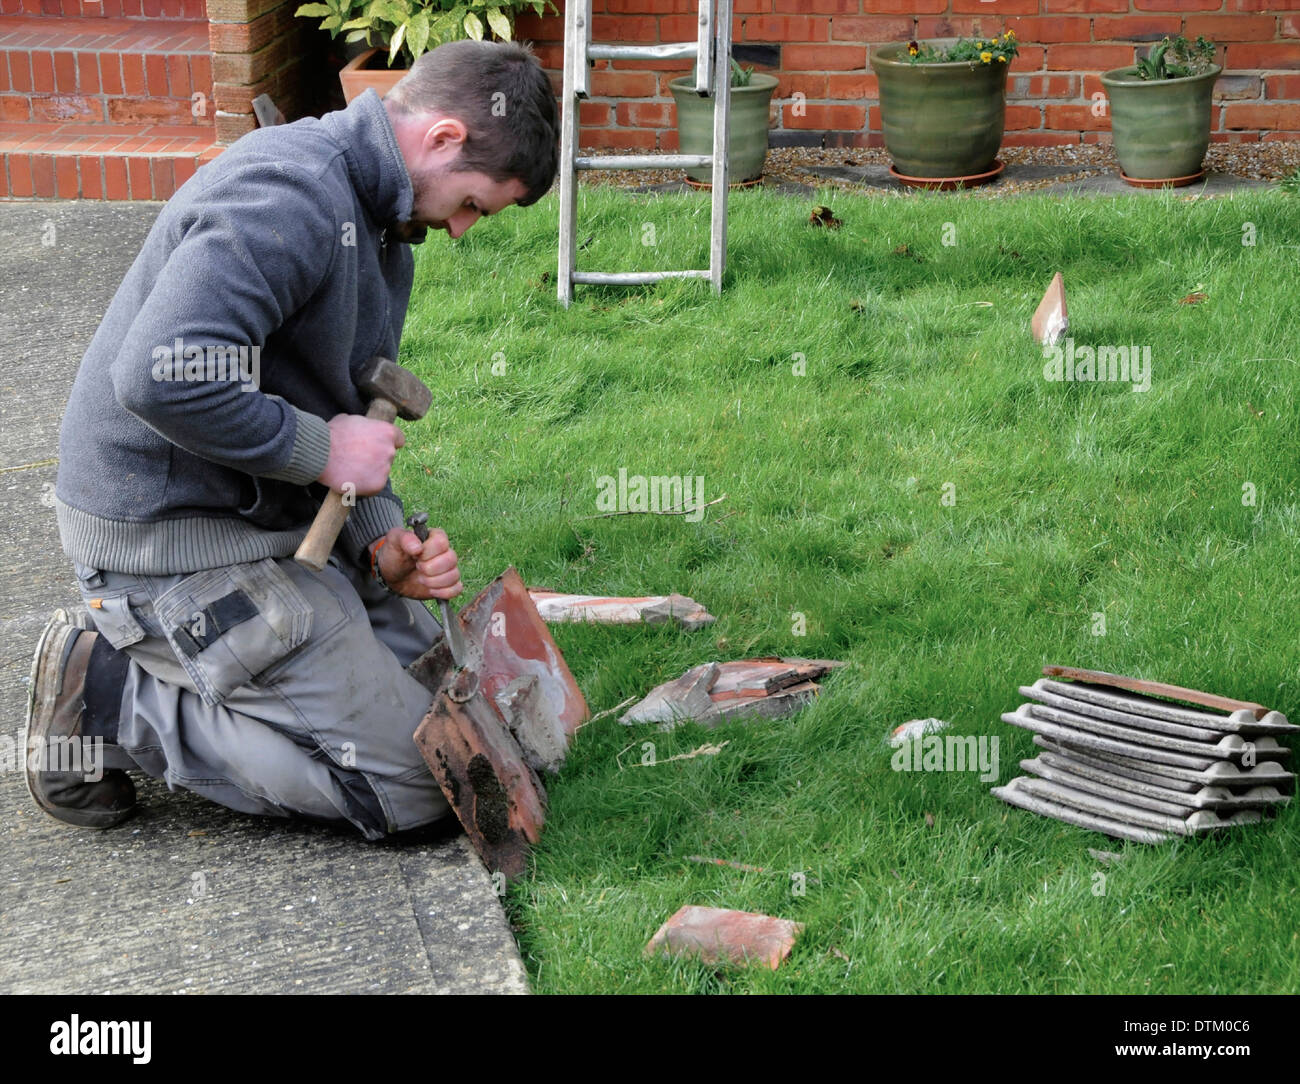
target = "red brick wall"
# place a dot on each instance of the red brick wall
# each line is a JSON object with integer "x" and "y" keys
{"x": 820, "y": 50}
{"x": 258, "y": 47}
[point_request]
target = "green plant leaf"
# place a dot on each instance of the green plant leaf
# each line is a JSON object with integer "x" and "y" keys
{"x": 395, "y": 46}
{"x": 447, "y": 27}
{"x": 417, "y": 38}
{"x": 499, "y": 23}
{"x": 473, "y": 26}
{"x": 358, "y": 35}
{"x": 1156, "y": 59}
{"x": 313, "y": 11}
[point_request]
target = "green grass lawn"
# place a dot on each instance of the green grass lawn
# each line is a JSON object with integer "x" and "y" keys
{"x": 1064, "y": 501}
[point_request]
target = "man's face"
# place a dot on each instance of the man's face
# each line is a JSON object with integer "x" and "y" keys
{"x": 449, "y": 200}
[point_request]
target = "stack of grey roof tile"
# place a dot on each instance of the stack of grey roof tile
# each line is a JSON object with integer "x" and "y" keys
{"x": 1143, "y": 767}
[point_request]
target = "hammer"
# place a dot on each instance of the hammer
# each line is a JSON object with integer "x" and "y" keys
{"x": 393, "y": 391}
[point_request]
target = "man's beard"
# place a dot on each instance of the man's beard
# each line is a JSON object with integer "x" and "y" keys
{"x": 426, "y": 183}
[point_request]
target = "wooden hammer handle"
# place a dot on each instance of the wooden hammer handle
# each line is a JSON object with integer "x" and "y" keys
{"x": 319, "y": 544}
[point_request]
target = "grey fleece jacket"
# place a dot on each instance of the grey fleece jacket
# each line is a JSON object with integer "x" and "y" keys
{"x": 197, "y": 421}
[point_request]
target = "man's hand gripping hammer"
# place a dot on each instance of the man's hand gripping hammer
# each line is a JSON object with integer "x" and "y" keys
{"x": 394, "y": 393}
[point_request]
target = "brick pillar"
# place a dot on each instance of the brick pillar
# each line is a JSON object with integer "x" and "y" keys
{"x": 258, "y": 47}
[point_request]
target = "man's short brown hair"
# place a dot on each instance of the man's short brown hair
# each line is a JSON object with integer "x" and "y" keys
{"x": 499, "y": 91}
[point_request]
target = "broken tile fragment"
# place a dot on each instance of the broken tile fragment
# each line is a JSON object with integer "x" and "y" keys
{"x": 713, "y": 692}
{"x": 1051, "y": 318}
{"x": 686, "y": 697}
{"x": 716, "y": 935}
{"x": 1105, "y": 857}
{"x": 742, "y": 866}
{"x": 267, "y": 112}
{"x": 613, "y": 610}
{"x": 914, "y": 729}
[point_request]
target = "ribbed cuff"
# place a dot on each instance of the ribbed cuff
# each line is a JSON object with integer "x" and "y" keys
{"x": 373, "y": 517}
{"x": 311, "y": 450}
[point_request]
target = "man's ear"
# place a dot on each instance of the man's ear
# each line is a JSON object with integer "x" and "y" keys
{"x": 444, "y": 137}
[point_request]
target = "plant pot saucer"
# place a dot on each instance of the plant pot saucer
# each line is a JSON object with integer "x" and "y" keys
{"x": 948, "y": 184}
{"x": 708, "y": 185}
{"x": 1170, "y": 182}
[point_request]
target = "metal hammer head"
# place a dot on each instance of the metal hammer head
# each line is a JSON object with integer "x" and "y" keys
{"x": 384, "y": 379}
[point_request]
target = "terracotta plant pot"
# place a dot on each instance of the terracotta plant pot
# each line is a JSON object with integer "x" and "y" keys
{"x": 368, "y": 70}
{"x": 940, "y": 120}
{"x": 1161, "y": 126}
{"x": 747, "y": 141}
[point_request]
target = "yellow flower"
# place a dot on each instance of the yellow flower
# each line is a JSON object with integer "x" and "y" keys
{"x": 986, "y": 57}
{"x": 1010, "y": 34}
{"x": 979, "y": 45}
{"x": 1002, "y": 59}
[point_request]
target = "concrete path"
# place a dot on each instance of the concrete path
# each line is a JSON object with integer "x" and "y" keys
{"x": 186, "y": 896}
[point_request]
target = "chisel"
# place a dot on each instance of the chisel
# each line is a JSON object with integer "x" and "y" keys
{"x": 419, "y": 523}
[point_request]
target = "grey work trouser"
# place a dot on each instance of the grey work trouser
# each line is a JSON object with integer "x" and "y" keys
{"x": 272, "y": 689}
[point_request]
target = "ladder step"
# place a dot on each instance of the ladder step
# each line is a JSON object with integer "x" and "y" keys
{"x": 633, "y": 278}
{"x": 644, "y": 161}
{"x": 672, "y": 51}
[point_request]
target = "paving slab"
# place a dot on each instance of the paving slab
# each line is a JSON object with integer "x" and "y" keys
{"x": 186, "y": 896}
{"x": 1098, "y": 180}
{"x": 1108, "y": 183}
{"x": 1078, "y": 180}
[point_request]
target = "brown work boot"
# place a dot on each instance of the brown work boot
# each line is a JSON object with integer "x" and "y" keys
{"x": 66, "y": 775}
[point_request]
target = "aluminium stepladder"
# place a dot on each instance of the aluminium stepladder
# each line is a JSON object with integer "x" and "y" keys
{"x": 712, "y": 52}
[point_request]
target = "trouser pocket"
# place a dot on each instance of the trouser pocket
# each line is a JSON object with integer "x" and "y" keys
{"x": 110, "y": 607}
{"x": 228, "y": 625}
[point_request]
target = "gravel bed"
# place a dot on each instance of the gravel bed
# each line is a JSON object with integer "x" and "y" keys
{"x": 1257, "y": 161}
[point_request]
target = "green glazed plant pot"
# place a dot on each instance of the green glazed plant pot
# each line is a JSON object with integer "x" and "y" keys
{"x": 940, "y": 120}
{"x": 747, "y": 142}
{"x": 1161, "y": 127}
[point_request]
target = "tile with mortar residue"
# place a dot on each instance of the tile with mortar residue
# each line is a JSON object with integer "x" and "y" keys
{"x": 770, "y": 687}
{"x": 555, "y": 606}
